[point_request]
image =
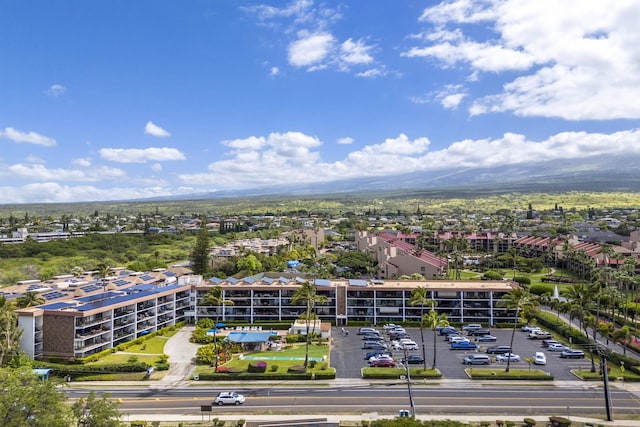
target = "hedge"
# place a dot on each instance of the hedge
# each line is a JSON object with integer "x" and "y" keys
{"x": 328, "y": 374}
{"x": 59, "y": 370}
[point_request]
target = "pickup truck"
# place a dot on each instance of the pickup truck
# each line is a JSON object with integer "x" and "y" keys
{"x": 539, "y": 335}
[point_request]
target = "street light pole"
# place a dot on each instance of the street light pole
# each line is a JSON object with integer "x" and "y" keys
{"x": 411, "y": 403}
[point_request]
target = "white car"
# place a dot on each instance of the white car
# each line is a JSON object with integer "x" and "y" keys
{"x": 408, "y": 344}
{"x": 380, "y": 357}
{"x": 539, "y": 358}
{"x": 229, "y": 398}
{"x": 508, "y": 357}
{"x": 557, "y": 347}
{"x": 457, "y": 339}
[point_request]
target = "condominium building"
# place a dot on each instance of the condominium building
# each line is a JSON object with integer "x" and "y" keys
{"x": 130, "y": 305}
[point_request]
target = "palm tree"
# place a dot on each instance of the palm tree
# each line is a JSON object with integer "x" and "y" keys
{"x": 215, "y": 298}
{"x": 103, "y": 272}
{"x": 581, "y": 296}
{"x": 623, "y": 336}
{"x": 29, "y": 299}
{"x": 518, "y": 299}
{"x": 432, "y": 320}
{"x": 307, "y": 294}
{"x": 10, "y": 332}
{"x": 419, "y": 296}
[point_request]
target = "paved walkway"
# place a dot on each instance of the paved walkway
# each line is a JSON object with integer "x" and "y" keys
{"x": 182, "y": 353}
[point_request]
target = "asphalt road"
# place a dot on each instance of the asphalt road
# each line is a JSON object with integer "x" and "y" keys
{"x": 381, "y": 399}
{"x": 347, "y": 355}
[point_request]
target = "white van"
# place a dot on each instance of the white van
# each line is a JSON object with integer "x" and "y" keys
{"x": 477, "y": 359}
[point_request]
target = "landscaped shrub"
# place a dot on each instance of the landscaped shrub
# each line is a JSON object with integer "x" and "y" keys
{"x": 313, "y": 363}
{"x": 273, "y": 368}
{"x": 297, "y": 369}
{"x": 257, "y": 367}
{"x": 492, "y": 275}
{"x": 522, "y": 280}
{"x": 529, "y": 422}
{"x": 560, "y": 421}
{"x": 293, "y": 338}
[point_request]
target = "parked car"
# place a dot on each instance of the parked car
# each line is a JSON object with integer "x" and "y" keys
{"x": 398, "y": 335}
{"x": 478, "y": 332}
{"x": 229, "y": 398}
{"x": 464, "y": 345}
{"x": 539, "y": 358}
{"x": 409, "y": 345}
{"x": 571, "y": 353}
{"x": 372, "y": 337}
{"x": 413, "y": 359}
{"x": 383, "y": 363}
{"x": 499, "y": 349}
{"x": 529, "y": 328}
{"x": 368, "y": 355}
{"x": 448, "y": 330}
{"x": 363, "y": 331}
{"x": 476, "y": 359}
{"x": 539, "y": 335}
{"x": 395, "y": 330}
{"x": 471, "y": 327}
{"x": 508, "y": 356}
{"x": 374, "y": 345}
{"x": 380, "y": 357}
{"x": 557, "y": 347}
{"x": 457, "y": 338}
{"x": 548, "y": 342}
{"x": 486, "y": 338}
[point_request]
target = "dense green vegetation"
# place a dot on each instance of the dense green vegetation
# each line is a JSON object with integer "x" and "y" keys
{"x": 429, "y": 201}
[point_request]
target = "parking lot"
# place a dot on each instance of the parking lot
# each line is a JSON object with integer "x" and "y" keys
{"x": 347, "y": 354}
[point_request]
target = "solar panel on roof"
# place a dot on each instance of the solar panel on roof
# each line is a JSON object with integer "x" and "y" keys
{"x": 147, "y": 277}
{"x": 91, "y": 288}
{"x": 216, "y": 280}
{"x": 232, "y": 280}
{"x": 357, "y": 282}
{"x": 121, "y": 282}
{"x": 322, "y": 282}
{"x": 169, "y": 273}
{"x": 53, "y": 295}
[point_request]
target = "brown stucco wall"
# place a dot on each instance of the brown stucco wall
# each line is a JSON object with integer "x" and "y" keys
{"x": 58, "y": 335}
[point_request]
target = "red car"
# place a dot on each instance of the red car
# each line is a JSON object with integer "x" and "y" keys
{"x": 383, "y": 363}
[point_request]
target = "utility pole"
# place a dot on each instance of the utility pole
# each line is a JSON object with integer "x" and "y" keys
{"x": 411, "y": 403}
{"x": 605, "y": 379}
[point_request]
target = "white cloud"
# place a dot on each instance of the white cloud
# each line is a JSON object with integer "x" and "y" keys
{"x": 83, "y": 162}
{"x": 39, "y": 172}
{"x": 141, "y": 155}
{"x": 274, "y": 71}
{"x": 578, "y": 62}
{"x": 52, "y": 192}
{"x": 27, "y": 137}
{"x": 156, "y": 167}
{"x": 252, "y": 143}
{"x": 355, "y": 52}
{"x": 56, "y": 90}
{"x": 310, "y": 49}
{"x": 451, "y": 102}
{"x": 289, "y": 157}
{"x": 345, "y": 141}
{"x": 155, "y": 130}
{"x": 34, "y": 159}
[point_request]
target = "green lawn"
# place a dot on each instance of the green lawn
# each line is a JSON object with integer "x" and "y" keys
{"x": 120, "y": 357}
{"x": 153, "y": 345}
{"x": 291, "y": 351}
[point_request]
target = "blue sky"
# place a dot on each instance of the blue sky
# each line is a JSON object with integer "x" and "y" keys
{"x": 108, "y": 100}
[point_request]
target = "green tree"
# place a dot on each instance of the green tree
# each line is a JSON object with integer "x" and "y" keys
{"x": 201, "y": 253}
{"x": 432, "y": 320}
{"x": 215, "y": 298}
{"x": 249, "y": 264}
{"x": 28, "y": 401}
{"x": 308, "y": 294}
{"x": 29, "y": 299}
{"x": 97, "y": 411}
{"x": 420, "y": 296}
{"x": 581, "y": 297}
{"x": 104, "y": 271}
{"x": 10, "y": 332}
{"x": 517, "y": 300}
{"x": 623, "y": 336}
